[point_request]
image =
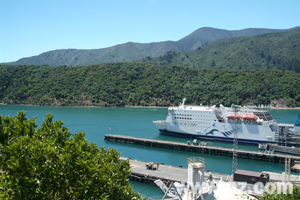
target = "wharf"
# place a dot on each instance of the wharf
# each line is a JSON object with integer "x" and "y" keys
{"x": 284, "y": 149}
{"x": 201, "y": 149}
{"x": 168, "y": 174}
{"x": 279, "y": 177}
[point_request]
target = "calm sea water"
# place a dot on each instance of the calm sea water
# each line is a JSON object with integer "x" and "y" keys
{"x": 137, "y": 122}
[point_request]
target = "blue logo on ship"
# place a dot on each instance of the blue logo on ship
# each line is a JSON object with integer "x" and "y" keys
{"x": 212, "y": 132}
{"x": 226, "y": 133}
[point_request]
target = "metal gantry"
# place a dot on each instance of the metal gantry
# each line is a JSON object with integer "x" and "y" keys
{"x": 235, "y": 138}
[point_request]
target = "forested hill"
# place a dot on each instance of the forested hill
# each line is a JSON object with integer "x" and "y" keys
{"x": 140, "y": 84}
{"x": 272, "y": 50}
{"x": 135, "y": 51}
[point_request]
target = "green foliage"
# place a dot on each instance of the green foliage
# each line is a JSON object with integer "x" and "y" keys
{"x": 52, "y": 163}
{"x": 140, "y": 84}
{"x": 273, "y": 50}
{"x": 294, "y": 196}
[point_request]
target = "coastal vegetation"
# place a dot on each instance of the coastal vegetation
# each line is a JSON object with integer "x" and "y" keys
{"x": 141, "y": 84}
{"x": 281, "y": 196}
{"x": 51, "y": 163}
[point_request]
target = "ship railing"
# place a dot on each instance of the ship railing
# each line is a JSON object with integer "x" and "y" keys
{"x": 192, "y": 160}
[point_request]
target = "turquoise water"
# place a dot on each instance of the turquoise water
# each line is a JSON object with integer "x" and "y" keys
{"x": 137, "y": 122}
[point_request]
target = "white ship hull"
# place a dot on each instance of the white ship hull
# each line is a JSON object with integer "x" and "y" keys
{"x": 246, "y": 133}
{"x": 214, "y": 123}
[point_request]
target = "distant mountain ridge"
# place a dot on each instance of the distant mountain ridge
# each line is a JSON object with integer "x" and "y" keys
{"x": 132, "y": 51}
{"x": 279, "y": 50}
{"x": 207, "y": 35}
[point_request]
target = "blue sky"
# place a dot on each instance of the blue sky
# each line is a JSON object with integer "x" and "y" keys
{"x": 31, "y": 27}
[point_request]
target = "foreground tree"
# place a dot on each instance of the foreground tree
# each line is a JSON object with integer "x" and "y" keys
{"x": 294, "y": 196}
{"x": 52, "y": 163}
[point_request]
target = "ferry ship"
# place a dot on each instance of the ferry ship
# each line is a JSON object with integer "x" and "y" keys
{"x": 218, "y": 123}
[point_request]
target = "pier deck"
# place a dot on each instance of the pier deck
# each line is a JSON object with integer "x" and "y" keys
{"x": 201, "y": 149}
{"x": 284, "y": 149}
{"x": 168, "y": 173}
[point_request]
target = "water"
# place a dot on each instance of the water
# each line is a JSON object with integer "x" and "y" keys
{"x": 137, "y": 122}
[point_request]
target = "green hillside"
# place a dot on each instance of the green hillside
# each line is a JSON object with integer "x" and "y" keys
{"x": 206, "y": 35}
{"x": 272, "y": 50}
{"x": 120, "y": 53}
{"x": 140, "y": 84}
{"x": 131, "y": 51}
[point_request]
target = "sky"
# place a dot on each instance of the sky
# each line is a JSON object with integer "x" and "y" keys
{"x": 31, "y": 27}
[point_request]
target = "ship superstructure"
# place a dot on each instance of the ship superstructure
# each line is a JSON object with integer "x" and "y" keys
{"x": 217, "y": 123}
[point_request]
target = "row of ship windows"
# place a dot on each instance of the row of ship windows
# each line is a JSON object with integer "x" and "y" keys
{"x": 187, "y": 118}
{"x": 183, "y": 118}
{"x": 188, "y": 129}
{"x": 179, "y": 111}
{"x": 192, "y": 124}
{"x": 184, "y": 115}
{"x": 188, "y": 115}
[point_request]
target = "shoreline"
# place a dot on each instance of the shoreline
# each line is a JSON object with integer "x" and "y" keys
{"x": 273, "y": 108}
{"x": 4, "y": 104}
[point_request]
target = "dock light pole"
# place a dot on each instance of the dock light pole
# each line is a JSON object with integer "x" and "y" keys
{"x": 235, "y": 138}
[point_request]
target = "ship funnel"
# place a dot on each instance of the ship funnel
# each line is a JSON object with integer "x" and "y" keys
{"x": 196, "y": 168}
